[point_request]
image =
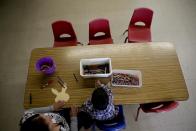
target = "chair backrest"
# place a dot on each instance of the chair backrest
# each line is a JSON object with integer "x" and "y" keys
{"x": 159, "y": 106}
{"x": 61, "y": 28}
{"x": 115, "y": 124}
{"x": 142, "y": 15}
{"x": 99, "y": 26}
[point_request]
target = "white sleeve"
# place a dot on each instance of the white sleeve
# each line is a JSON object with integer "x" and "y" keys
{"x": 41, "y": 109}
{"x": 74, "y": 124}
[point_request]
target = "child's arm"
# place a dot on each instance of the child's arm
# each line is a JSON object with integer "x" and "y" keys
{"x": 107, "y": 90}
{"x": 87, "y": 106}
{"x": 105, "y": 87}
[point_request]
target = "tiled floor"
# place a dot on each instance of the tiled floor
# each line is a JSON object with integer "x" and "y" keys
{"x": 26, "y": 25}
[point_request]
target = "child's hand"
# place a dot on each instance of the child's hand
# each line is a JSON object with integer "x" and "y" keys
{"x": 58, "y": 105}
{"x": 73, "y": 111}
{"x": 98, "y": 82}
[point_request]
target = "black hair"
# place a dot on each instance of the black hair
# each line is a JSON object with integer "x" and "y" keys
{"x": 34, "y": 123}
{"x": 100, "y": 99}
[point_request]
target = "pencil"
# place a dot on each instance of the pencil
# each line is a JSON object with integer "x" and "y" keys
{"x": 75, "y": 77}
{"x": 30, "y": 98}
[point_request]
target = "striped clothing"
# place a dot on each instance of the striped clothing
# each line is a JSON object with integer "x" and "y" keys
{"x": 56, "y": 118}
{"x": 110, "y": 112}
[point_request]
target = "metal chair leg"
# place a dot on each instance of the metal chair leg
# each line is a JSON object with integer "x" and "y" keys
{"x": 125, "y": 32}
{"x": 138, "y": 111}
{"x": 126, "y": 40}
{"x": 79, "y": 43}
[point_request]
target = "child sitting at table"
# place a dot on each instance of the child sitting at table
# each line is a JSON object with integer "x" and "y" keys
{"x": 100, "y": 106}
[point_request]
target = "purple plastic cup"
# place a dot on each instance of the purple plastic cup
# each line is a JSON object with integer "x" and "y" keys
{"x": 46, "y": 65}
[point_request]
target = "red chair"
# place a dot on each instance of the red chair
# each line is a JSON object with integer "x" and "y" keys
{"x": 99, "y": 26}
{"x": 64, "y": 34}
{"x": 157, "y": 107}
{"x": 140, "y": 32}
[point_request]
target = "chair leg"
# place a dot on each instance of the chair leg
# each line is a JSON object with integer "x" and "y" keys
{"x": 79, "y": 43}
{"x": 126, "y": 39}
{"x": 138, "y": 111}
{"x": 125, "y": 32}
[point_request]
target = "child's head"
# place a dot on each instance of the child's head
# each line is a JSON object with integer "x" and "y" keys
{"x": 38, "y": 122}
{"x": 100, "y": 99}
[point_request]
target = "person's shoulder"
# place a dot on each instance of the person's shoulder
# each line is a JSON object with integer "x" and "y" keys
{"x": 26, "y": 115}
{"x": 106, "y": 88}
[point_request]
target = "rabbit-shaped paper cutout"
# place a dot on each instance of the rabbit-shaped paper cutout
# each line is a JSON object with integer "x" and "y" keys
{"x": 60, "y": 96}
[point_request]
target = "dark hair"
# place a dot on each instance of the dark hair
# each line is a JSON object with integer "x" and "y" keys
{"x": 100, "y": 99}
{"x": 34, "y": 123}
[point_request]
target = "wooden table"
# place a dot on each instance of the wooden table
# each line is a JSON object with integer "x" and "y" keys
{"x": 162, "y": 76}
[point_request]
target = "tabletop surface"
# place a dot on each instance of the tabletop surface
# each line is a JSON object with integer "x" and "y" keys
{"x": 162, "y": 76}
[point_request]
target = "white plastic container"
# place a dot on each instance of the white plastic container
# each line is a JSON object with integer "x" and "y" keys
{"x": 95, "y": 61}
{"x": 128, "y": 72}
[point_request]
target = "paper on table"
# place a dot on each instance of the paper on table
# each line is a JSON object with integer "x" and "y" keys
{"x": 60, "y": 96}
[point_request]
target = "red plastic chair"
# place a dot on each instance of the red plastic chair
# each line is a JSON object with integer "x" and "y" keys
{"x": 157, "y": 107}
{"x": 141, "y": 32}
{"x": 99, "y": 26}
{"x": 64, "y": 34}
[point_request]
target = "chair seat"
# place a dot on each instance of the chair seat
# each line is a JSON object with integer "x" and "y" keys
{"x": 139, "y": 34}
{"x": 116, "y": 124}
{"x": 103, "y": 41}
{"x": 62, "y": 44}
{"x": 159, "y": 106}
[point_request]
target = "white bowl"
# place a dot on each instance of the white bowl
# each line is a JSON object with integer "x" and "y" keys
{"x": 95, "y": 61}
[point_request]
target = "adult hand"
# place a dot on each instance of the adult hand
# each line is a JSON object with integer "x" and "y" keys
{"x": 73, "y": 111}
{"x": 58, "y": 105}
